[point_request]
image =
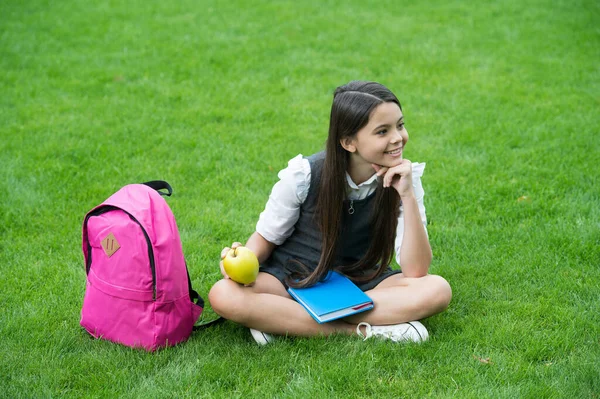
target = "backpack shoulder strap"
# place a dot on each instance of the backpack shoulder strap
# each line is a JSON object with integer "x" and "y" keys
{"x": 197, "y": 299}
{"x": 211, "y": 323}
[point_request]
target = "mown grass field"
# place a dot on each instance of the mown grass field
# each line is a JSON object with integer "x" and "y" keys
{"x": 501, "y": 100}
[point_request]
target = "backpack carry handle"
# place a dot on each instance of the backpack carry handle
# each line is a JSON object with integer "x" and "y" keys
{"x": 160, "y": 185}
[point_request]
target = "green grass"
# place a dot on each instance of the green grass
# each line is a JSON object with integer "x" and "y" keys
{"x": 501, "y": 100}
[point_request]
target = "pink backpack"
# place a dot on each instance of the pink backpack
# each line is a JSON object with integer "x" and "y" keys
{"x": 138, "y": 291}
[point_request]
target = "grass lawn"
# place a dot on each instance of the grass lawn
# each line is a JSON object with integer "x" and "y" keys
{"x": 501, "y": 99}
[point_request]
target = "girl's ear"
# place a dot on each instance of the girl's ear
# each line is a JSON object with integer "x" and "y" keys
{"x": 348, "y": 144}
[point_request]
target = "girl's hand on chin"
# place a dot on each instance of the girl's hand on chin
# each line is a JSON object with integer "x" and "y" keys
{"x": 399, "y": 177}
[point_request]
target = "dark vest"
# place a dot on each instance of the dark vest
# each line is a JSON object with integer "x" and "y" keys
{"x": 304, "y": 244}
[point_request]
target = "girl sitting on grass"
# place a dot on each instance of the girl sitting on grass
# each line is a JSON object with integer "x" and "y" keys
{"x": 348, "y": 208}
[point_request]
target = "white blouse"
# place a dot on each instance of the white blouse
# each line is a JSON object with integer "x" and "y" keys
{"x": 277, "y": 221}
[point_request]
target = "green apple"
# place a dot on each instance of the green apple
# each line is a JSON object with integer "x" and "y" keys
{"x": 241, "y": 265}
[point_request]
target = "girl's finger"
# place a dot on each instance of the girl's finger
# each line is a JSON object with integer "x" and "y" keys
{"x": 380, "y": 170}
{"x": 225, "y": 276}
{"x": 224, "y": 252}
{"x": 384, "y": 180}
{"x": 391, "y": 174}
{"x": 227, "y": 249}
{"x": 387, "y": 180}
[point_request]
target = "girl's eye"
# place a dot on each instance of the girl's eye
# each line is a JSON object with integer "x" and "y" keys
{"x": 382, "y": 132}
{"x": 401, "y": 126}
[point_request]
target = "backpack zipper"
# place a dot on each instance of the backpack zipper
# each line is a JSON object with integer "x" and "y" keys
{"x": 107, "y": 208}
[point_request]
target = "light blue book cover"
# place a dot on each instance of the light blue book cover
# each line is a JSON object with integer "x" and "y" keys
{"x": 333, "y": 298}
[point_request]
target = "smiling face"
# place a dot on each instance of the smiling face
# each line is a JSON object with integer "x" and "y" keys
{"x": 380, "y": 141}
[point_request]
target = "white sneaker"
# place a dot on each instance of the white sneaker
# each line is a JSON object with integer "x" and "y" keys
{"x": 412, "y": 331}
{"x": 260, "y": 337}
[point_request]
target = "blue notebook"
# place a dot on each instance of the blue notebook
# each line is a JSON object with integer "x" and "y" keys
{"x": 332, "y": 298}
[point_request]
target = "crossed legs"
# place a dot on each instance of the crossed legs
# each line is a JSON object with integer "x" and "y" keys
{"x": 266, "y": 306}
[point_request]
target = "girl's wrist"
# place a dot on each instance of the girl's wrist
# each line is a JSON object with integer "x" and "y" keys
{"x": 407, "y": 196}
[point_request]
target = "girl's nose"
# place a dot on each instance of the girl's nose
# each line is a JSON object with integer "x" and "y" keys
{"x": 397, "y": 136}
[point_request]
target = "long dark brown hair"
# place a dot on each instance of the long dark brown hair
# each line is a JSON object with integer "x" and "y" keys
{"x": 352, "y": 106}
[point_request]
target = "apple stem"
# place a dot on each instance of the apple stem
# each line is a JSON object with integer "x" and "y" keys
{"x": 234, "y": 252}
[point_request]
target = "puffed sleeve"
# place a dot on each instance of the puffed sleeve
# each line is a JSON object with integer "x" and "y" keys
{"x": 417, "y": 173}
{"x": 276, "y": 223}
